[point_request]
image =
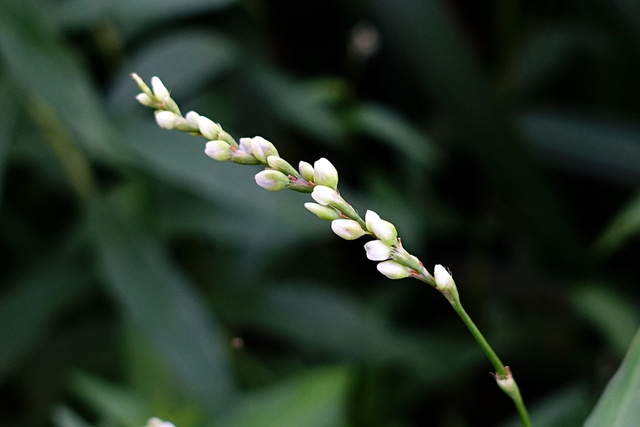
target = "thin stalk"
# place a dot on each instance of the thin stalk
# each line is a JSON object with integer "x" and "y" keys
{"x": 503, "y": 374}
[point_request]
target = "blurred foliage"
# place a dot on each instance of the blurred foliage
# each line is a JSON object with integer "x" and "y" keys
{"x": 140, "y": 278}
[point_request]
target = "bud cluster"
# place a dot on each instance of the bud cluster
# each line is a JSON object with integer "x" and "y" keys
{"x": 319, "y": 179}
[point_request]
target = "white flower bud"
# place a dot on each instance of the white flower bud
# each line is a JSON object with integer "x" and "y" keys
{"x": 306, "y": 170}
{"x": 443, "y": 278}
{"x": 324, "y": 195}
{"x": 271, "y": 180}
{"x": 323, "y": 212}
{"x": 393, "y": 270}
{"x": 377, "y": 250}
{"x": 192, "y": 119}
{"x": 208, "y": 128}
{"x": 348, "y": 229}
{"x": 383, "y": 230}
{"x": 145, "y": 100}
{"x": 141, "y": 84}
{"x": 324, "y": 173}
{"x": 157, "y": 422}
{"x": 159, "y": 89}
{"x": 218, "y": 150}
{"x": 167, "y": 119}
{"x": 261, "y": 149}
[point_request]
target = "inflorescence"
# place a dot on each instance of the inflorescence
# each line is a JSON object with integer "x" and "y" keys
{"x": 319, "y": 179}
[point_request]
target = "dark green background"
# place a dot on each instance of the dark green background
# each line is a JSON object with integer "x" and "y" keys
{"x": 140, "y": 278}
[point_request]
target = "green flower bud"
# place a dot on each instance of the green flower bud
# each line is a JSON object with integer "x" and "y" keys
{"x": 324, "y": 173}
{"x": 403, "y": 257}
{"x": 142, "y": 85}
{"x": 306, "y": 170}
{"x": 218, "y": 150}
{"x": 323, "y": 212}
{"x": 377, "y": 250}
{"x": 261, "y": 149}
{"x": 243, "y": 158}
{"x": 393, "y": 270}
{"x": 383, "y": 230}
{"x": 348, "y": 229}
{"x": 271, "y": 180}
{"x": 280, "y": 164}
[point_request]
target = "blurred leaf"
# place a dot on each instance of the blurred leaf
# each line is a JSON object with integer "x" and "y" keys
{"x": 316, "y": 398}
{"x": 26, "y": 312}
{"x": 45, "y": 68}
{"x": 208, "y": 55}
{"x": 564, "y": 408}
{"x": 152, "y": 379}
{"x": 113, "y": 403}
{"x": 627, "y": 13}
{"x": 427, "y": 44}
{"x": 394, "y": 131}
{"x": 161, "y": 304}
{"x": 315, "y": 317}
{"x": 618, "y": 406}
{"x": 7, "y": 121}
{"x": 131, "y": 15}
{"x": 624, "y": 226}
{"x": 586, "y": 144}
{"x": 550, "y": 52}
{"x": 65, "y": 417}
{"x": 308, "y": 106}
{"x": 613, "y": 315}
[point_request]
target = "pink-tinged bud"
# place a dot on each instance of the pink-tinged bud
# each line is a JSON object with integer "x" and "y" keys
{"x": 325, "y": 195}
{"x": 261, "y": 149}
{"x": 383, "y": 230}
{"x": 393, "y": 270}
{"x": 159, "y": 89}
{"x": 218, "y": 150}
{"x": 443, "y": 278}
{"x": 306, "y": 170}
{"x": 272, "y": 180}
{"x": 323, "y": 212}
{"x": 324, "y": 173}
{"x": 245, "y": 145}
{"x": 377, "y": 250}
{"x": 167, "y": 119}
{"x": 348, "y": 229}
{"x": 208, "y": 128}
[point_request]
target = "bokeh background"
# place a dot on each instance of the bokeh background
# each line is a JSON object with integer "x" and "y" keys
{"x": 140, "y": 278}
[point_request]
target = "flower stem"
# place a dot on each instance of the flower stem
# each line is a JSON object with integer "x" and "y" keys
{"x": 503, "y": 373}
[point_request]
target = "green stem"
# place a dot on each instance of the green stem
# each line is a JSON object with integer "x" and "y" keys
{"x": 502, "y": 372}
{"x": 484, "y": 344}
